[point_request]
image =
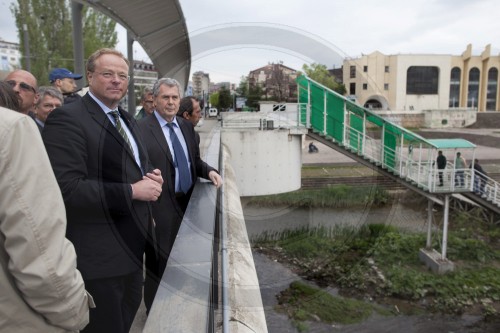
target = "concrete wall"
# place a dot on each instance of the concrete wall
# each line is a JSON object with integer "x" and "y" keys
{"x": 454, "y": 118}
{"x": 264, "y": 161}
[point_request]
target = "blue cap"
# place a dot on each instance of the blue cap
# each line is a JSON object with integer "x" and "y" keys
{"x": 62, "y": 73}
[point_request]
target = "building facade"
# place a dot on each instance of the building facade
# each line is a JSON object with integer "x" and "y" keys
{"x": 145, "y": 75}
{"x": 201, "y": 84}
{"x": 10, "y": 57}
{"x": 276, "y": 81}
{"x": 424, "y": 82}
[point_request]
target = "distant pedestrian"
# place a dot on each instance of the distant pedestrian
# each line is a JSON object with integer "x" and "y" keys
{"x": 441, "y": 164}
{"x": 460, "y": 165}
{"x": 479, "y": 177}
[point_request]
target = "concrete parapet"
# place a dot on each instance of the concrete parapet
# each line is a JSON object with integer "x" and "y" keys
{"x": 245, "y": 302}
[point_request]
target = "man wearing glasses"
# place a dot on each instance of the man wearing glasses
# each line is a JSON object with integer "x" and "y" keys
{"x": 107, "y": 182}
{"x": 25, "y": 86}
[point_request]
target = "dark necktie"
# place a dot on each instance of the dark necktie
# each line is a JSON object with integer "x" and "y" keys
{"x": 120, "y": 129}
{"x": 180, "y": 161}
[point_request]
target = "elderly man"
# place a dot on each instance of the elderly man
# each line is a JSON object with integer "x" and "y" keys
{"x": 172, "y": 147}
{"x": 64, "y": 80}
{"x": 25, "y": 85}
{"x": 49, "y": 99}
{"x": 107, "y": 183}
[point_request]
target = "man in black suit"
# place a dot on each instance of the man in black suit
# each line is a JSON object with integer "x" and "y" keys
{"x": 170, "y": 207}
{"x": 190, "y": 110}
{"x": 102, "y": 168}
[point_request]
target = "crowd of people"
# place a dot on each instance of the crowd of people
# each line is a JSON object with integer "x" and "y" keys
{"x": 91, "y": 192}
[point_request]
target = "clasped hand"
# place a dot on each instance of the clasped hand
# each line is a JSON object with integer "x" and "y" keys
{"x": 149, "y": 188}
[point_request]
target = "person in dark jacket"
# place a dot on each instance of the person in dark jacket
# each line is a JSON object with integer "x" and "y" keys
{"x": 441, "y": 164}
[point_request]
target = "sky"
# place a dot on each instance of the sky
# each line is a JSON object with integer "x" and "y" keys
{"x": 231, "y": 38}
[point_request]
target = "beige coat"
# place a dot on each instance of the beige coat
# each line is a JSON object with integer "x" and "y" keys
{"x": 40, "y": 288}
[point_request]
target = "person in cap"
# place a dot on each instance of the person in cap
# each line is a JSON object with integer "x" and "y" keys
{"x": 64, "y": 81}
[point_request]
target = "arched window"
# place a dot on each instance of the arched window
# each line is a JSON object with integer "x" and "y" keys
{"x": 491, "y": 92}
{"x": 455, "y": 87}
{"x": 473, "y": 90}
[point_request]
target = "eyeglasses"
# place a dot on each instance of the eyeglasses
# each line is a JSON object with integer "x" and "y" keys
{"x": 111, "y": 75}
{"x": 22, "y": 85}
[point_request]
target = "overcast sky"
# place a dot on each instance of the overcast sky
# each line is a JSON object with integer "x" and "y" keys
{"x": 343, "y": 28}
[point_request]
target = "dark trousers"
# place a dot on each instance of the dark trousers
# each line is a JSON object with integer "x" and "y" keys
{"x": 440, "y": 177}
{"x": 117, "y": 300}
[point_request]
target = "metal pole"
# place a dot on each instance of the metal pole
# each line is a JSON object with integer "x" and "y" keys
{"x": 27, "y": 55}
{"x": 131, "y": 86}
{"x": 430, "y": 204}
{"x": 445, "y": 225}
{"x": 76, "y": 18}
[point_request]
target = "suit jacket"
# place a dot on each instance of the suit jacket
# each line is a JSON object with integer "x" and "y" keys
{"x": 166, "y": 211}
{"x": 94, "y": 168}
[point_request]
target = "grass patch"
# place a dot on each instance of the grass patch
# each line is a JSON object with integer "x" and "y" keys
{"x": 303, "y": 303}
{"x": 340, "y": 196}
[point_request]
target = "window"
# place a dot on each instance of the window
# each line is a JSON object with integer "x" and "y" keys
{"x": 422, "y": 80}
{"x": 386, "y": 86}
{"x": 491, "y": 94}
{"x": 473, "y": 88}
{"x": 352, "y": 71}
{"x": 386, "y": 69}
{"x": 352, "y": 88}
{"x": 454, "y": 87}
{"x": 365, "y": 86}
{"x": 365, "y": 69}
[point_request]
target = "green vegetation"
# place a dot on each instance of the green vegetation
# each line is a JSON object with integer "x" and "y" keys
{"x": 49, "y": 31}
{"x": 380, "y": 262}
{"x": 340, "y": 196}
{"x": 303, "y": 302}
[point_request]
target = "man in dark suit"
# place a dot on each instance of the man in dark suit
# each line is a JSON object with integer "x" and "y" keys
{"x": 190, "y": 110}
{"x": 160, "y": 142}
{"x": 102, "y": 168}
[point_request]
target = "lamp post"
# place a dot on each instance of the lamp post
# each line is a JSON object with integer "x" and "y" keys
{"x": 27, "y": 55}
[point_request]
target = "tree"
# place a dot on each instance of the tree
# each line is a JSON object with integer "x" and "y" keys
{"x": 214, "y": 100}
{"x": 225, "y": 99}
{"x": 50, "y": 34}
{"x": 320, "y": 74}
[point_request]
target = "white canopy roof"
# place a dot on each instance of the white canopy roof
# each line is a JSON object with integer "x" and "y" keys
{"x": 159, "y": 27}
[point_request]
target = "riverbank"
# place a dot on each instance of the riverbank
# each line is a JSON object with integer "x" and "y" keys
{"x": 405, "y": 213}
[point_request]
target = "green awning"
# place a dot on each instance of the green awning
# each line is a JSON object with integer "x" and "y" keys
{"x": 451, "y": 143}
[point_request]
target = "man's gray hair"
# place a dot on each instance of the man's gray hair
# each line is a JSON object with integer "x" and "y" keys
{"x": 49, "y": 91}
{"x": 167, "y": 82}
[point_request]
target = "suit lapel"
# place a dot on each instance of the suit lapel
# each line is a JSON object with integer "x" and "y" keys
{"x": 102, "y": 119}
{"x": 157, "y": 131}
{"x": 186, "y": 128}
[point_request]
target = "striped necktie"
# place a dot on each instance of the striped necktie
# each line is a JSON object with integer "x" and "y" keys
{"x": 120, "y": 129}
{"x": 180, "y": 161}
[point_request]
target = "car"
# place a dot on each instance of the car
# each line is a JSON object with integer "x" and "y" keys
{"x": 212, "y": 112}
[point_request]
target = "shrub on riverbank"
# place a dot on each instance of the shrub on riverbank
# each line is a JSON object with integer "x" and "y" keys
{"x": 379, "y": 262}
